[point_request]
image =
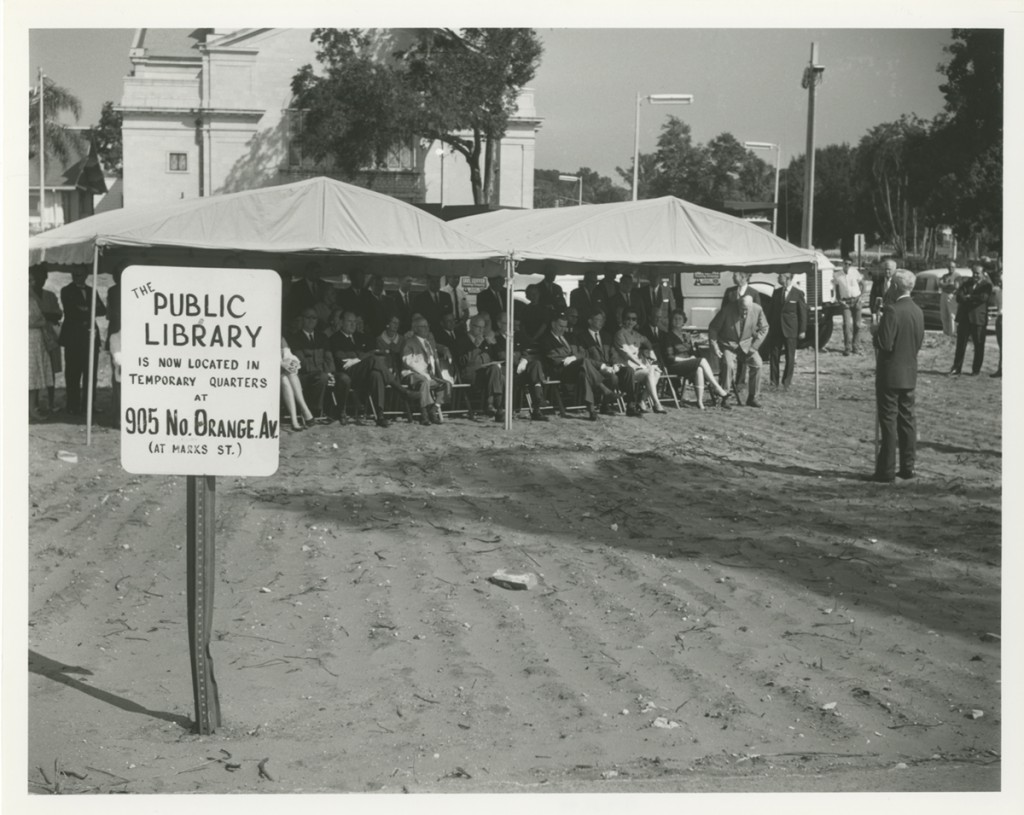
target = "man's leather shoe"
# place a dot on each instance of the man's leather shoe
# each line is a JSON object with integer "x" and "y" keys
{"x": 591, "y": 414}
{"x": 424, "y": 417}
{"x": 499, "y": 417}
{"x": 382, "y": 421}
{"x": 723, "y": 402}
{"x": 905, "y": 474}
{"x": 754, "y": 403}
{"x": 537, "y": 416}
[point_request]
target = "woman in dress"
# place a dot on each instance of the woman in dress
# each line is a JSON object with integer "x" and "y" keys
{"x": 40, "y": 368}
{"x": 50, "y": 306}
{"x": 681, "y": 360}
{"x": 291, "y": 389}
{"x": 636, "y": 349}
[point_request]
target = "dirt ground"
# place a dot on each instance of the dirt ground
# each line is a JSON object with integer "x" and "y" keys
{"x": 722, "y": 605}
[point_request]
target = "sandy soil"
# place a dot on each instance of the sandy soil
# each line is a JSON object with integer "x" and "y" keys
{"x": 724, "y": 575}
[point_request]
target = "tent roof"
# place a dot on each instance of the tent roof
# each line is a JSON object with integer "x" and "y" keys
{"x": 318, "y": 216}
{"x": 662, "y": 231}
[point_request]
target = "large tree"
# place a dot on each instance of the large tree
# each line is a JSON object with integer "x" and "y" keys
{"x": 550, "y": 191}
{"x": 707, "y": 175}
{"x": 60, "y": 142}
{"x": 968, "y": 154}
{"x": 838, "y": 199}
{"x": 456, "y": 87}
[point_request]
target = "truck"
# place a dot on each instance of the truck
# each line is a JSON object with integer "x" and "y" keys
{"x": 702, "y": 293}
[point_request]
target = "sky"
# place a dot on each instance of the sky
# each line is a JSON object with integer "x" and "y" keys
{"x": 744, "y": 81}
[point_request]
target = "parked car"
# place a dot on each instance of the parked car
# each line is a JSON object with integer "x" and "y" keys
{"x": 927, "y": 295}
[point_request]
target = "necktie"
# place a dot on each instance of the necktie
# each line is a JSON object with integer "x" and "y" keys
{"x": 309, "y": 336}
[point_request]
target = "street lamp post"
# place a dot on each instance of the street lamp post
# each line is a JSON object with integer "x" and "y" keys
{"x": 654, "y": 99}
{"x": 579, "y": 179}
{"x": 763, "y": 145}
{"x": 440, "y": 152}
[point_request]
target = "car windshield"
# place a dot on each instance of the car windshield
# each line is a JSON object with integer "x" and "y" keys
{"x": 924, "y": 284}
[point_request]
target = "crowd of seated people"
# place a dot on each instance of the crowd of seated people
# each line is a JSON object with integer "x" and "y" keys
{"x": 346, "y": 347}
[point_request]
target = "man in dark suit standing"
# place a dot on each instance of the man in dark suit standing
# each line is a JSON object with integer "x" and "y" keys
{"x": 433, "y": 304}
{"x": 494, "y": 299}
{"x": 898, "y": 338}
{"x": 76, "y": 300}
{"x": 374, "y": 309}
{"x": 971, "y": 319}
{"x": 787, "y": 323}
{"x": 882, "y": 290}
{"x": 317, "y": 369}
{"x": 551, "y": 295}
{"x": 585, "y": 297}
{"x": 402, "y": 304}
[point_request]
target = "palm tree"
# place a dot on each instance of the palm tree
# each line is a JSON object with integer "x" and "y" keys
{"x": 59, "y": 139}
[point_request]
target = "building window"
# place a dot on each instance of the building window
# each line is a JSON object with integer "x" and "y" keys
{"x": 177, "y": 162}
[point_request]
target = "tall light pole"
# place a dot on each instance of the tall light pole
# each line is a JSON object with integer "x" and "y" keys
{"x": 654, "y": 99}
{"x": 579, "y": 178}
{"x": 440, "y": 152}
{"x": 811, "y": 78}
{"x": 763, "y": 145}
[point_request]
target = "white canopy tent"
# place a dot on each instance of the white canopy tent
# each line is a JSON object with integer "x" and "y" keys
{"x": 664, "y": 234}
{"x": 316, "y": 227}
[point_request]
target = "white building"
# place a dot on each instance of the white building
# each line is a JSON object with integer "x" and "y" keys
{"x": 209, "y": 111}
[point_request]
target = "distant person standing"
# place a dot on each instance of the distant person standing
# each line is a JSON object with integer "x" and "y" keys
{"x": 996, "y": 300}
{"x": 787, "y": 323}
{"x": 898, "y": 338}
{"x": 948, "y": 284}
{"x": 971, "y": 319}
{"x": 76, "y": 300}
{"x": 848, "y": 286}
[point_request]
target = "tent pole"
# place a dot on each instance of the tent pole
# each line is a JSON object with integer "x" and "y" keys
{"x": 818, "y": 298}
{"x": 510, "y": 268}
{"x": 92, "y": 346}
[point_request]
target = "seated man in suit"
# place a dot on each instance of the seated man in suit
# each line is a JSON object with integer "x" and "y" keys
{"x": 567, "y": 361}
{"x": 528, "y": 369}
{"x": 480, "y": 367}
{"x": 600, "y": 349}
{"x": 735, "y": 335}
{"x": 357, "y": 364}
{"x": 449, "y": 335}
{"x": 423, "y": 368}
{"x": 317, "y": 369}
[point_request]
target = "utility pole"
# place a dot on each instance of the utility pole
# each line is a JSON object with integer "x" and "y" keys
{"x": 811, "y": 78}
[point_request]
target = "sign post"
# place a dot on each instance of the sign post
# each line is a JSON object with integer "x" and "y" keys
{"x": 201, "y": 353}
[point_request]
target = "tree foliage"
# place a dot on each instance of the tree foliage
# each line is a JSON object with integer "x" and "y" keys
{"x": 107, "y": 137}
{"x": 707, "y": 175}
{"x": 838, "y": 198}
{"x": 457, "y": 87}
{"x": 549, "y": 191}
{"x": 60, "y": 142}
{"x": 969, "y": 136}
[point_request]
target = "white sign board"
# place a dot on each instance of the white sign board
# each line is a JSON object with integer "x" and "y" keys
{"x": 200, "y": 370}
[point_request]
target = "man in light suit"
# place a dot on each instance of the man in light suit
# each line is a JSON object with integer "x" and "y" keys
{"x": 421, "y": 363}
{"x": 787, "y": 323}
{"x": 735, "y": 336}
{"x": 898, "y": 338}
